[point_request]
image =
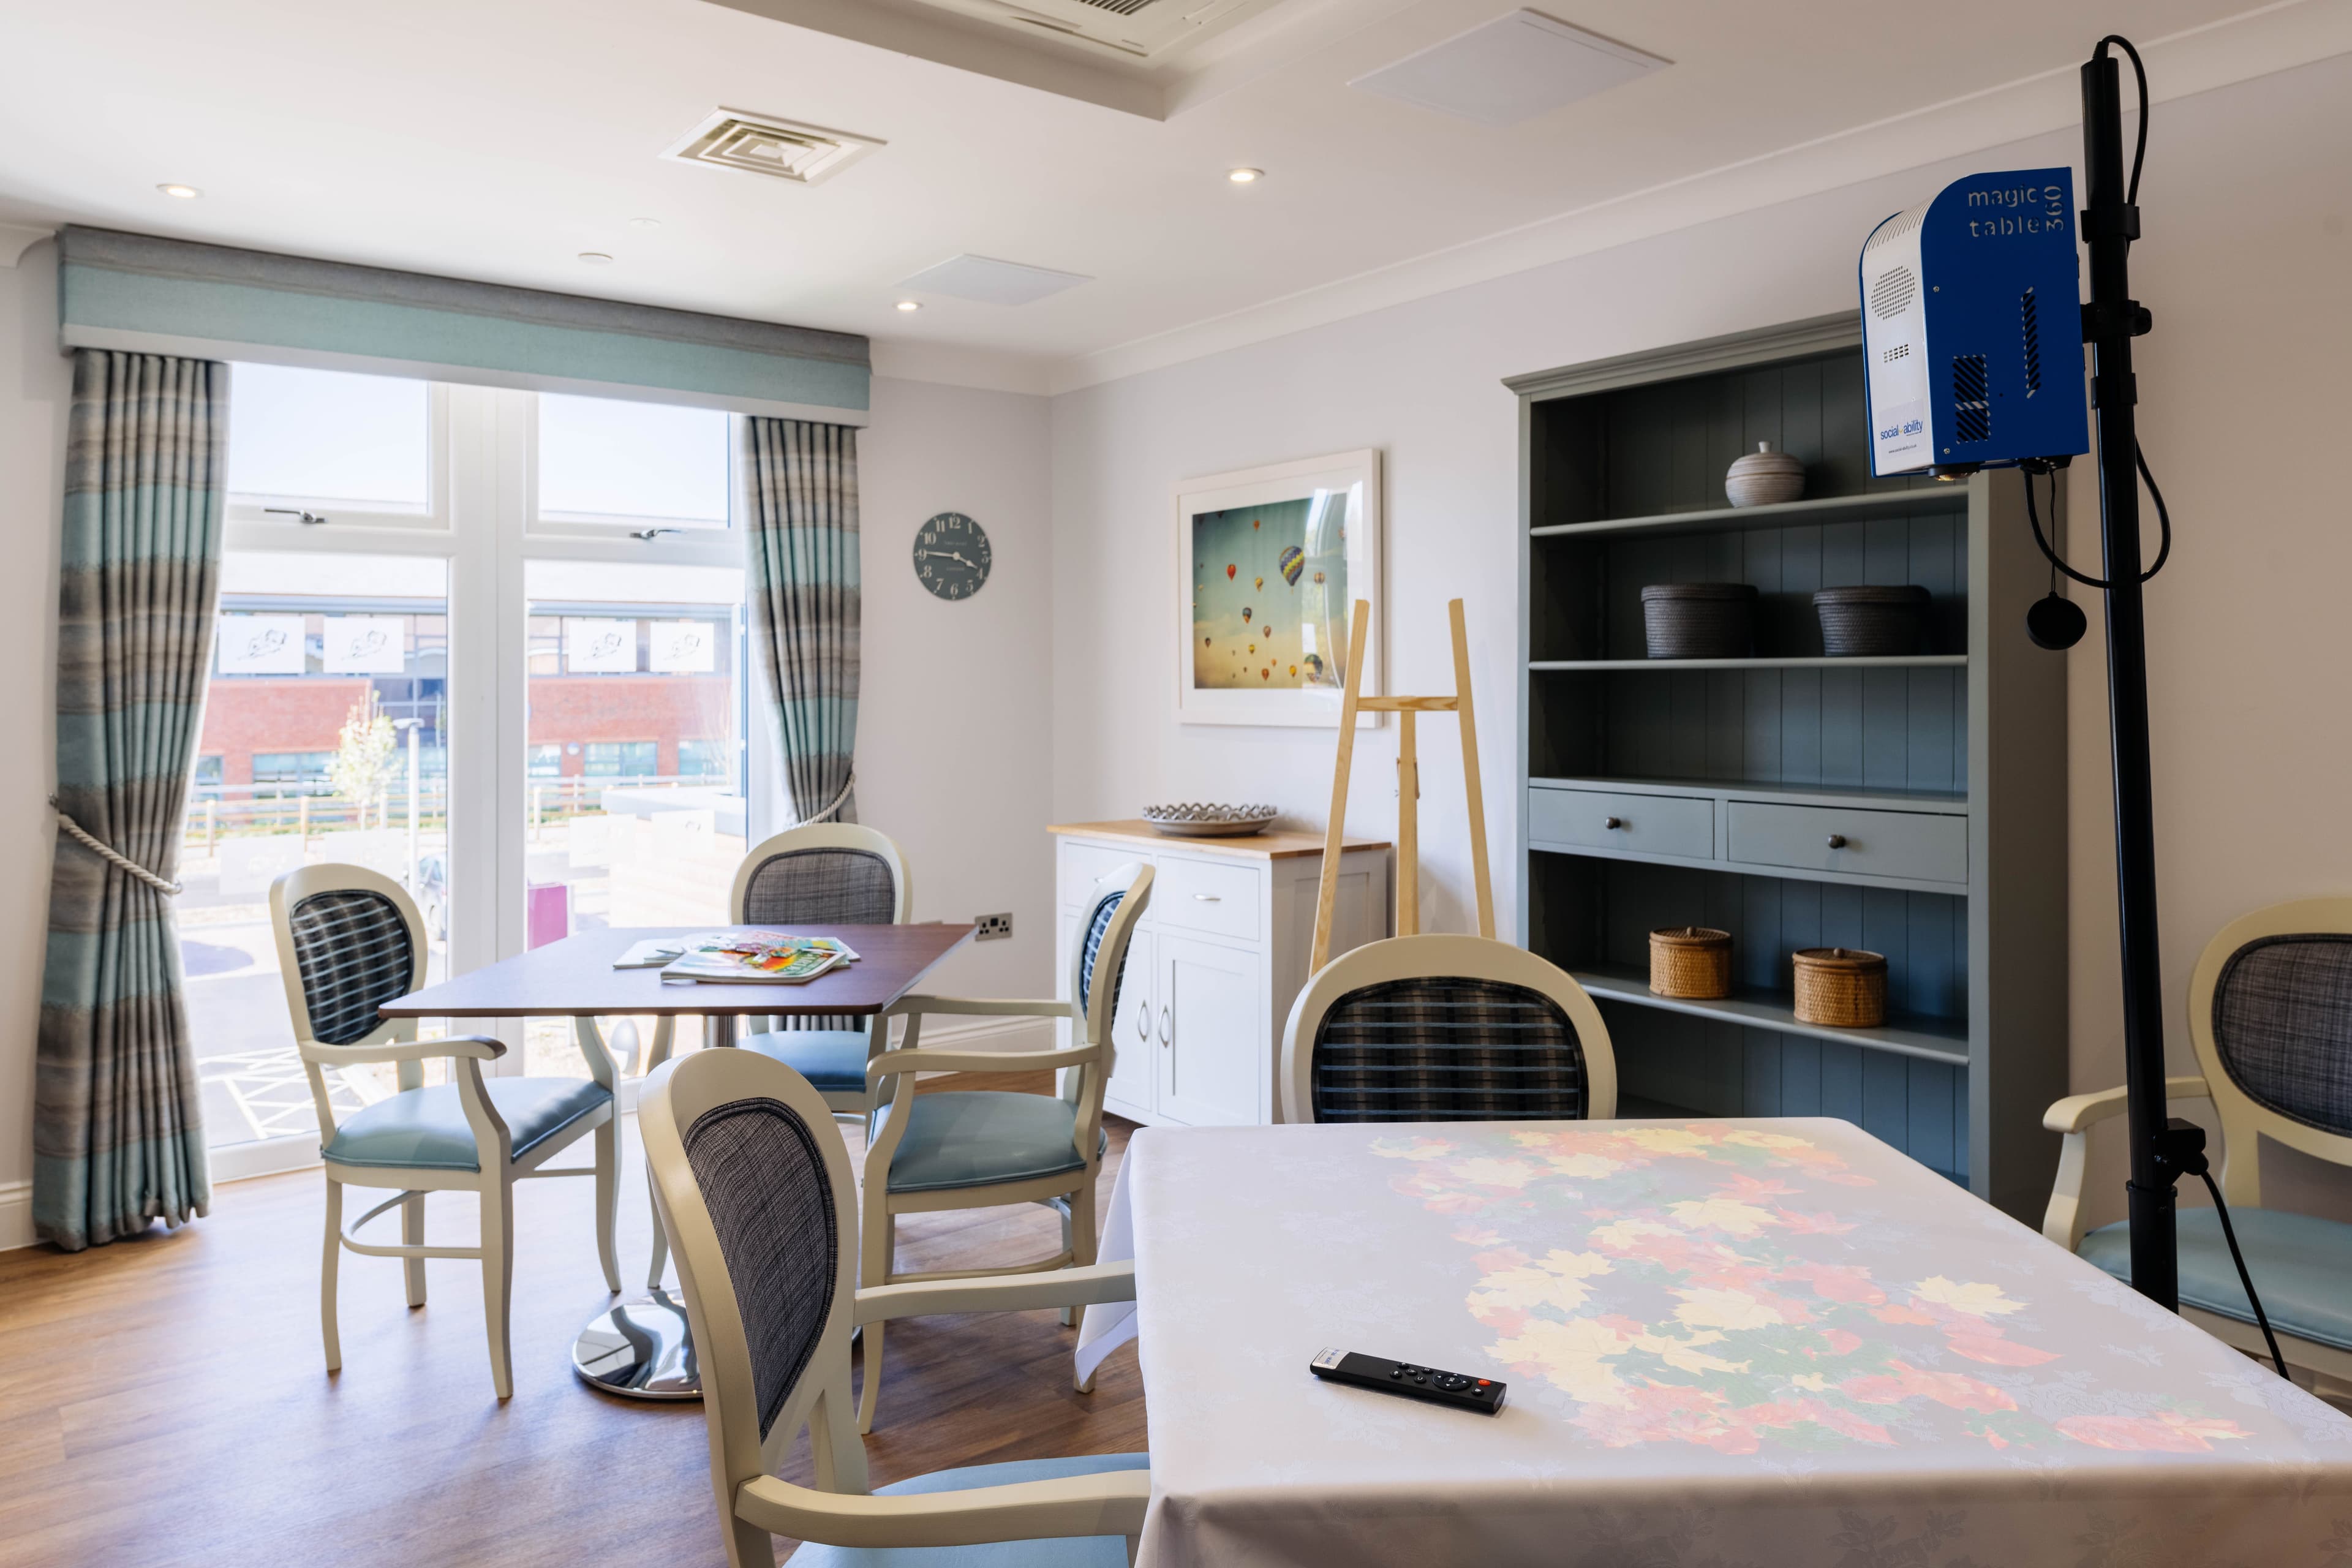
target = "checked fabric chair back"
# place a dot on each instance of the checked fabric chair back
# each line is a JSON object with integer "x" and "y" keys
{"x": 1446, "y": 1028}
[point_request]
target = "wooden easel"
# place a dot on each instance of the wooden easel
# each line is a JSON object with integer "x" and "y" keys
{"x": 1408, "y": 710}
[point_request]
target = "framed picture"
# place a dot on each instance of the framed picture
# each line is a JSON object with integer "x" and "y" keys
{"x": 1270, "y": 562}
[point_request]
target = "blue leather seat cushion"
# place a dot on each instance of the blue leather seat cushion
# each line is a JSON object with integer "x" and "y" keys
{"x": 427, "y": 1126}
{"x": 828, "y": 1059}
{"x": 1067, "y": 1551}
{"x": 2302, "y": 1267}
{"x": 981, "y": 1138}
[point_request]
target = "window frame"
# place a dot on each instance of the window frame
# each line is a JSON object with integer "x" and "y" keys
{"x": 247, "y": 513}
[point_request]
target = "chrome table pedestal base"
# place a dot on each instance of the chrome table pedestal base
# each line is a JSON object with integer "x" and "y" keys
{"x": 640, "y": 1350}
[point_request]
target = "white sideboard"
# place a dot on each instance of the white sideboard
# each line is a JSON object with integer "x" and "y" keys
{"x": 1216, "y": 962}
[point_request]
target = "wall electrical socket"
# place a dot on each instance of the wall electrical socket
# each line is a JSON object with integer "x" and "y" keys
{"x": 993, "y": 928}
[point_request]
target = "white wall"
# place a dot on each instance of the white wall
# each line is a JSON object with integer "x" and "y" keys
{"x": 954, "y": 732}
{"x": 2244, "y": 264}
{"x": 35, "y": 384}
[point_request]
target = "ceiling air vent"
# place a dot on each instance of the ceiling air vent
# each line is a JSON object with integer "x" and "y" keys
{"x": 762, "y": 144}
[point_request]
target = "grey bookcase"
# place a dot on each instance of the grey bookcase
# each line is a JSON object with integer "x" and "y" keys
{"x": 1705, "y": 792}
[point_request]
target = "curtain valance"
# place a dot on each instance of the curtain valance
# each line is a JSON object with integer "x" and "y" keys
{"x": 142, "y": 294}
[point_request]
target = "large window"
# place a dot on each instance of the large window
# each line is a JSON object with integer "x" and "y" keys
{"x": 588, "y": 767}
{"x": 304, "y": 760}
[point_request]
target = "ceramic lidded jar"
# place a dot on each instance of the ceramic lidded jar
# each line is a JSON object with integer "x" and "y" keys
{"x": 1764, "y": 477}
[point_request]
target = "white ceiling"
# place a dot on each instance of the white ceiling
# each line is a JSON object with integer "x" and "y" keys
{"x": 498, "y": 141}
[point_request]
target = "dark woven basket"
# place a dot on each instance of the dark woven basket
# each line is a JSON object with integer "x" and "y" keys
{"x": 1873, "y": 620}
{"x": 1699, "y": 620}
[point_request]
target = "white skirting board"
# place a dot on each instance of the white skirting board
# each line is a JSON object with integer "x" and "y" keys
{"x": 16, "y": 1215}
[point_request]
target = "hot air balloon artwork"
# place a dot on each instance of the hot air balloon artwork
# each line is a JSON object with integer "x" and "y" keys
{"x": 1282, "y": 539}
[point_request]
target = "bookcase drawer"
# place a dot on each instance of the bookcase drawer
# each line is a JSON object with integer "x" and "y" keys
{"x": 1917, "y": 845}
{"x": 1647, "y": 823}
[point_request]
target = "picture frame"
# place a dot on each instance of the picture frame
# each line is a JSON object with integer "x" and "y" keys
{"x": 1269, "y": 564}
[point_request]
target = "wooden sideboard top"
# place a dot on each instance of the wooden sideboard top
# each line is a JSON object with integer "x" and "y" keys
{"x": 1275, "y": 843}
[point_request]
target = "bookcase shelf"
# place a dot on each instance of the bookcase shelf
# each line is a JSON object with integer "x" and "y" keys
{"x": 1912, "y": 661}
{"x": 1732, "y": 770}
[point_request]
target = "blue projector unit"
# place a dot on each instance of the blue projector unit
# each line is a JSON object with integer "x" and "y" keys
{"x": 1972, "y": 320}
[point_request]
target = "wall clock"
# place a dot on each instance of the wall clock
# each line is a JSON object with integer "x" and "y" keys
{"x": 952, "y": 556}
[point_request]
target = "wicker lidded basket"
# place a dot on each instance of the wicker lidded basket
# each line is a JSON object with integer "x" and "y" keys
{"x": 1842, "y": 986}
{"x": 1699, "y": 620}
{"x": 1873, "y": 619}
{"x": 1691, "y": 962}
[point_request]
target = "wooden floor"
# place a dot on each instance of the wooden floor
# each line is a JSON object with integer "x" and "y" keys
{"x": 162, "y": 1400}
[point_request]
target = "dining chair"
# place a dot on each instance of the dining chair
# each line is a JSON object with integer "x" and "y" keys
{"x": 350, "y": 940}
{"x": 828, "y": 873}
{"x": 2270, "y": 1014}
{"x": 1446, "y": 1028}
{"x": 980, "y": 1148}
{"x": 752, "y": 1183}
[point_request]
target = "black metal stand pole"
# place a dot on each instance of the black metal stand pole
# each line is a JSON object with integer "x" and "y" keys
{"x": 2110, "y": 223}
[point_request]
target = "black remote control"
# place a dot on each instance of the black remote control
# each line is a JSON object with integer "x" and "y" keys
{"x": 1451, "y": 1388}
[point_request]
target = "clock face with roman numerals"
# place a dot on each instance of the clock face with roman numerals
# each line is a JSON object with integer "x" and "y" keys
{"x": 952, "y": 556}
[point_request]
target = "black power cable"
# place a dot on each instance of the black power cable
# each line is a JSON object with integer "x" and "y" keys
{"x": 2034, "y": 516}
{"x": 2230, "y": 1234}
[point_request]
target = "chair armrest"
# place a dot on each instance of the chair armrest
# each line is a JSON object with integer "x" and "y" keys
{"x": 2078, "y": 1111}
{"x": 890, "y": 1064}
{"x": 981, "y": 1007}
{"x": 2075, "y": 1115}
{"x": 1090, "y": 1286}
{"x": 1110, "y": 1503}
{"x": 480, "y": 1047}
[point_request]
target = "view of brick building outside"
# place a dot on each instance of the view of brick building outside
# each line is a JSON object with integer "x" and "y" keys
{"x": 247, "y": 716}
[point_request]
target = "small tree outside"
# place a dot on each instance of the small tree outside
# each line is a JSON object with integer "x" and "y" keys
{"x": 364, "y": 748}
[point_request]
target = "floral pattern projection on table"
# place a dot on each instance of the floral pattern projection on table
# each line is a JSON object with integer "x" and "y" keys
{"x": 1699, "y": 1285}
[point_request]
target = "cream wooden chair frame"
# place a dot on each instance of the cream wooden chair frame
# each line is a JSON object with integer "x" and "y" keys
{"x": 2245, "y": 1123}
{"x": 1420, "y": 957}
{"x": 753, "y": 1503}
{"x": 395, "y": 1041}
{"x": 854, "y": 1104}
{"x": 1082, "y": 1071}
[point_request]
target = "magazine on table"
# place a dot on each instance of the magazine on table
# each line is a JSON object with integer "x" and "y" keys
{"x": 755, "y": 958}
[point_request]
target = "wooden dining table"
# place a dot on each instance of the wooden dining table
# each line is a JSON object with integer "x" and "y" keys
{"x": 642, "y": 1348}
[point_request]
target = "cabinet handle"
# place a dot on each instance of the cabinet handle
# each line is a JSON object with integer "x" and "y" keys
{"x": 1613, "y": 822}
{"x": 1210, "y": 897}
{"x": 1144, "y": 1022}
{"x": 1837, "y": 840}
{"x": 1163, "y": 1024}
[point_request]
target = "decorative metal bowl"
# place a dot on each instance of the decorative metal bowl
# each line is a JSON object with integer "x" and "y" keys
{"x": 1192, "y": 820}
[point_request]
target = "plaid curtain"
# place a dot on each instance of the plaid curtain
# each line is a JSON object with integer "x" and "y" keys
{"x": 118, "y": 1127}
{"x": 800, "y": 508}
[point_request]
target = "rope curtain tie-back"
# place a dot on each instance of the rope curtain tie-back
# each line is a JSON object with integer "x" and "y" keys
{"x": 835, "y": 805}
{"x": 106, "y": 852}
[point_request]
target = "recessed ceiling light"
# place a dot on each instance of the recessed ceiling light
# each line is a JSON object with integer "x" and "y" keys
{"x": 910, "y": 304}
{"x": 186, "y": 193}
{"x": 595, "y": 258}
{"x": 644, "y": 223}
{"x": 1245, "y": 176}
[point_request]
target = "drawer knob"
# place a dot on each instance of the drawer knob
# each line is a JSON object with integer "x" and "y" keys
{"x": 1837, "y": 840}
{"x": 1613, "y": 822}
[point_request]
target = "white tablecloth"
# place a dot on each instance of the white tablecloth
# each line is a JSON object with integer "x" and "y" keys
{"x": 1727, "y": 1342}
